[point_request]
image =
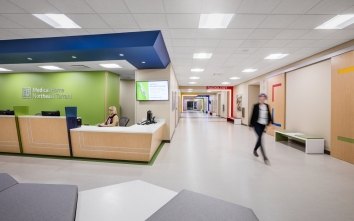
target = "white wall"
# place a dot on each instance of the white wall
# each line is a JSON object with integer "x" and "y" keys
{"x": 253, "y": 92}
{"x": 224, "y": 102}
{"x": 127, "y": 100}
{"x": 308, "y": 100}
{"x": 160, "y": 109}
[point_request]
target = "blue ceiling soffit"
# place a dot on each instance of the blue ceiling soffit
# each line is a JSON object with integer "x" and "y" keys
{"x": 144, "y": 50}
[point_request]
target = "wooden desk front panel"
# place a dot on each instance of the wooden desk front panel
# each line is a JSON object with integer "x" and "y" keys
{"x": 45, "y": 136}
{"x": 116, "y": 146}
{"x": 8, "y": 135}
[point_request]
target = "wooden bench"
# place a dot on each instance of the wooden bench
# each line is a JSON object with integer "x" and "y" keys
{"x": 313, "y": 144}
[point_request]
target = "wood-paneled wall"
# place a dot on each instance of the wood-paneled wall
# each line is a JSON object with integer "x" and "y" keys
{"x": 342, "y": 132}
{"x": 276, "y": 100}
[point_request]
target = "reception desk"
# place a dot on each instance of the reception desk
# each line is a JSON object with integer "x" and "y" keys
{"x": 8, "y": 135}
{"x": 44, "y": 135}
{"x": 134, "y": 143}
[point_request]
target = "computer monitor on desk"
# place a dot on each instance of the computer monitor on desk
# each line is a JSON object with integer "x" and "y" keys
{"x": 51, "y": 113}
{"x": 7, "y": 112}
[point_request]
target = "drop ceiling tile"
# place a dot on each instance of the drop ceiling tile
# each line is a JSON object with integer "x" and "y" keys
{"x": 120, "y": 21}
{"x": 257, "y": 6}
{"x": 237, "y": 33}
{"x": 73, "y": 32}
{"x": 295, "y": 7}
{"x": 37, "y": 7}
{"x": 225, "y": 6}
{"x": 183, "y": 33}
{"x": 300, "y": 43}
{"x": 22, "y": 33}
{"x": 183, "y": 20}
{"x": 183, "y": 6}
{"x": 246, "y": 21}
{"x": 27, "y": 20}
{"x": 183, "y": 42}
{"x": 88, "y": 20}
{"x": 143, "y": 6}
{"x": 70, "y": 6}
{"x": 253, "y": 43}
{"x": 331, "y": 7}
{"x": 108, "y": 6}
{"x": 291, "y": 34}
{"x": 94, "y": 31}
{"x": 264, "y": 33}
{"x": 49, "y": 32}
{"x": 309, "y": 21}
{"x": 317, "y": 34}
{"x": 9, "y": 7}
{"x": 278, "y": 21}
{"x": 276, "y": 43}
{"x": 184, "y": 50}
{"x": 152, "y": 21}
{"x": 210, "y": 33}
{"x": 6, "y": 34}
{"x": 345, "y": 34}
{"x": 7, "y": 23}
{"x": 230, "y": 43}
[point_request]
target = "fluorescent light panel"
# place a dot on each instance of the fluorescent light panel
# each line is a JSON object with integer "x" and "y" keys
{"x": 4, "y": 69}
{"x": 225, "y": 82}
{"x": 57, "y": 20}
{"x": 249, "y": 70}
{"x": 338, "y": 22}
{"x": 276, "y": 56}
{"x": 202, "y": 55}
{"x": 110, "y": 66}
{"x": 192, "y": 82}
{"x": 51, "y": 67}
{"x": 194, "y": 78}
{"x": 234, "y": 78}
{"x": 197, "y": 70}
{"x": 215, "y": 20}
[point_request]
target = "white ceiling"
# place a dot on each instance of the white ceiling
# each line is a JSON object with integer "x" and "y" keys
{"x": 259, "y": 27}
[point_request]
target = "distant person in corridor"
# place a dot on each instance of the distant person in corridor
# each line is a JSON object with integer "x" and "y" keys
{"x": 261, "y": 118}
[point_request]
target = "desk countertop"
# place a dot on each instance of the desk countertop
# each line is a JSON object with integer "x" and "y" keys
{"x": 151, "y": 128}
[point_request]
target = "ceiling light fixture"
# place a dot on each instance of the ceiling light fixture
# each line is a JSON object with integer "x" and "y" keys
{"x": 143, "y": 62}
{"x": 197, "y": 70}
{"x": 275, "y": 56}
{"x": 30, "y": 59}
{"x": 4, "y": 69}
{"x": 192, "y": 82}
{"x": 234, "y": 78}
{"x": 215, "y": 20}
{"x": 194, "y": 78}
{"x": 121, "y": 55}
{"x": 74, "y": 57}
{"x": 57, "y": 20}
{"x": 225, "y": 82}
{"x": 110, "y": 65}
{"x": 51, "y": 67}
{"x": 249, "y": 70}
{"x": 338, "y": 22}
{"x": 202, "y": 55}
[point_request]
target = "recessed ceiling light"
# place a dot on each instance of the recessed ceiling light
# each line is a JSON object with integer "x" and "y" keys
{"x": 202, "y": 55}
{"x": 338, "y": 22}
{"x": 121, "y": 55}
{"x": 249, "y": 70}
{"x": 197, "y": 70}
{"x": 4, "y": 69}
{"x": 234, "y": 78}
{"x": 276, "y": 56}
{"x": 225, "y": 82}
{"x": 30, "y": 59}
{"x": 143, "y": 62}
{"x": 192, "y": 82}
{"x": 110, "y": 65}
{"x": 57, "y": 20}
{"x": 194, "y": 78}
{"x": 51, "y": 67}
{"x": 215, "y": 20}
{"x": 209, "y": 91}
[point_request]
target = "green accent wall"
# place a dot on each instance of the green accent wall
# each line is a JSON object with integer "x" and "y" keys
{"x": 87, "y": 91}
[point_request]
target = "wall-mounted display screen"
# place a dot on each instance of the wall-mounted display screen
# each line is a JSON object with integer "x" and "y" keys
{"x": 152, "y": 90}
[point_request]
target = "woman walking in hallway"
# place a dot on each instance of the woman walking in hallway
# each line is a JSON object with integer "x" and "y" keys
{"x": 261, "y": 118}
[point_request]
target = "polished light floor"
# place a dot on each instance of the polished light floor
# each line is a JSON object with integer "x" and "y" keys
{"x": 213, "y": 157}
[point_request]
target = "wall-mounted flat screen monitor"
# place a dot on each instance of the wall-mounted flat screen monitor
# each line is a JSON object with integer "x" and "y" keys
{"x": 152, "y": 90}
{"x": 51, "y": 113}
{"x": 7, "y": 112}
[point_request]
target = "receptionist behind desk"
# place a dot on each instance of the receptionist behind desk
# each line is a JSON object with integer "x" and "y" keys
{"x": 112, "y": 120}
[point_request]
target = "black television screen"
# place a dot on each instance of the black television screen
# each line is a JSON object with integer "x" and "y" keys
{"x": 7, "y": 112}
{"x": 51, "y": 113}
